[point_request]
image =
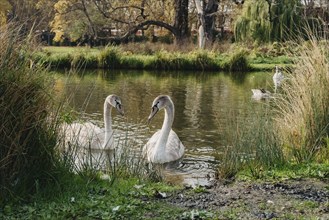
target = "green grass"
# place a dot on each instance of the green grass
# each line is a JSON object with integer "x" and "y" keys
{"x": 98, "y": 199}
{"x": 253, "y": 145}
{"x": 122, "y": 58}
{"x": 132, "y": 198}
{"x": 70, "y": 50}
{"x": 289, "y": 171}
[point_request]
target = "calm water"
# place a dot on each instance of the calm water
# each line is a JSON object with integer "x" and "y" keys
{"x": 207, "y": 108}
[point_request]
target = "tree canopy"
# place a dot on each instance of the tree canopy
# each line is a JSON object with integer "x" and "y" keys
{"x": 97, "y": 20}
{"x": 275, "y": 20}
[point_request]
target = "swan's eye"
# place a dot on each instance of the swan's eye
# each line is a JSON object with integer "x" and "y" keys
{"x": 117, "y": 104}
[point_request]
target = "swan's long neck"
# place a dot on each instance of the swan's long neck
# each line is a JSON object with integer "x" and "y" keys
{"x": 108, "y": 124}
{"x": 166, "y": 126}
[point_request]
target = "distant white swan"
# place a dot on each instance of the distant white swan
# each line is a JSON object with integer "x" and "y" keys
{"x": 164, "y": 146}
{"x": 259, "y": 94}
{"x": 277, "y": 78}
{"x": 89, "y": 135}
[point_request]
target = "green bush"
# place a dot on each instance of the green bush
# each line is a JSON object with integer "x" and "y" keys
{"x": 110, "y": 57}
{"x": 82, "y": 60}
{"x": 203, "y": 60}
{"x": 238, "y": 62}
{"x": 133, "y": 63}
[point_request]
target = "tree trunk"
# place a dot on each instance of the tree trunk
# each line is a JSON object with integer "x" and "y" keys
{"x": 207, "y": 16}
{"x": 182, "y": 32}
{"x": 210, "y": 14}
{"x": 201, "y": 33}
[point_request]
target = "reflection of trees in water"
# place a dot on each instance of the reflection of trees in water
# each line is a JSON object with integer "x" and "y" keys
{"x": 192, "y": 102}
{"x": 238, "y": 77}
{"x": 207, "y": 105}
{"x": 209, "y": 109}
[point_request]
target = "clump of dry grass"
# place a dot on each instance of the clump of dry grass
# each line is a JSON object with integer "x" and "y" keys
{"x": 303, "y": 119}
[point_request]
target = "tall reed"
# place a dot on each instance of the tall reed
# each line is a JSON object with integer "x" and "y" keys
{"x": 27, "y": 132}
{"x": 302, "y": 121}
{"x": 253, "y": 144}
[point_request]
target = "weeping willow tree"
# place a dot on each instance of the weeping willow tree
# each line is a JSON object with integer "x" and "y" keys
{"x": 286, "y": 19}
{"x": 254, "y": 22}
{"x": 270, "y": 20}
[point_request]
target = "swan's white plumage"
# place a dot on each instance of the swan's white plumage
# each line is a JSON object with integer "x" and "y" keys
{"x": 259, "y": 94}
{"x": 164, "y": 146}
{"x": 91, "y": 136}
{"x": 277, "y": 78}
{"x": 86, "y": 134}
{"x": 173, "y": 151}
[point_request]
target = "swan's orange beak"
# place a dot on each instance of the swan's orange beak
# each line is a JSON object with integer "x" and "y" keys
{"x": 154, "y": 110}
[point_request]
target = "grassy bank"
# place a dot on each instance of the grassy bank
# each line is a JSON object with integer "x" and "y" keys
{"x": 97, "y": 199}
{"x": 137, "y": 199}
{"x": 124, "y": 57}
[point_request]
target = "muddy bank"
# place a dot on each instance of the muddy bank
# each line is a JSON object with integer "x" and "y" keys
{"x": 289, "y": 199}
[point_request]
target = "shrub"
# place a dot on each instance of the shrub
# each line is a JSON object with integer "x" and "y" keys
{"x": 132, "y": 62}
{"x": 81, "y": 60}
{"x": 110, "y": 58}
{"x": 238, "y": 61}
{"x": 203, "y": 60}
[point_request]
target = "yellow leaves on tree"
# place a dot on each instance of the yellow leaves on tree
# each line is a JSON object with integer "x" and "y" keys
{"x": 4, "y": 8}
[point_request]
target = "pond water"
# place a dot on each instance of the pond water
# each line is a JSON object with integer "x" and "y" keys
{"x": 208, "y": 107}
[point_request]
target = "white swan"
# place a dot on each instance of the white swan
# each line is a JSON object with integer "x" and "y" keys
{"x": 277, "y": 78}
{"x": 259, "y": 94}
{"x": 89, "y": 135}
{"x": 164, "y": 146}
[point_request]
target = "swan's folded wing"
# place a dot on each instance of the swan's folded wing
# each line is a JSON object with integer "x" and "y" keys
{"x": 256, "y": 92}
{"x": 174, "y": 146}
{"x": 86, "y": 135}
{"x": 150, "y": 144}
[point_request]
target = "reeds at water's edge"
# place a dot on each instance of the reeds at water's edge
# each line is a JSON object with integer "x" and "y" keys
{"x": 297, "y": 129}
{"x": 302, "y": 119}
{"x": 27, "y": 132}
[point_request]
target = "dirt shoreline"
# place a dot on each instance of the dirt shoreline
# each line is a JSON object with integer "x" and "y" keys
{"x": 287, "y": 199}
